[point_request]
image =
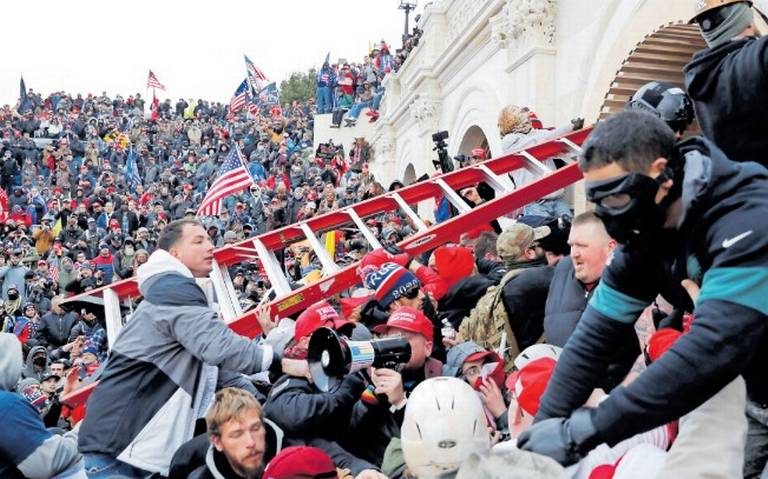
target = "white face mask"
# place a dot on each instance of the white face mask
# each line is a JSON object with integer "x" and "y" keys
{"x": 128, "y": 250}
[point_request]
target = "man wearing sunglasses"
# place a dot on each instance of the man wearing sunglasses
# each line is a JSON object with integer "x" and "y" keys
{"x": 689, "y": 206}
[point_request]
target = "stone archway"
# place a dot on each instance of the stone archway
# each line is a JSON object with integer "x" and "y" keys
{"x": 661, "y": 56}
{"x": 473, "y": 138}
{"x": 409, "y": 177}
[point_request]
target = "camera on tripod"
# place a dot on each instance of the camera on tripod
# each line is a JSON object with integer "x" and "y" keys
{"x": 443, "y": 162}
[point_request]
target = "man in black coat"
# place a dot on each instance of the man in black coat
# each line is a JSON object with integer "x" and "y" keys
{"x": 57, "y": 324}
{"x": 574, "y": 281}
{"x": 728, "y": 81}
{"x": 307, "y": 415}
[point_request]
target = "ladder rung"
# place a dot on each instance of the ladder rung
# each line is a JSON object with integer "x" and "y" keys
{"x": 570, "y": 144}
{"x": 454, "y": 198}
{"x": 272, "y": 268}
{"x": 372, "y": 240}
{"x": 225, "y": 292}
{"x": 534, "y": 163}
{"x": 408, "y": 211}
{"x": 112, "y": 315}
{"x": 501, "y": 184}
{"x": 329, "y": 267}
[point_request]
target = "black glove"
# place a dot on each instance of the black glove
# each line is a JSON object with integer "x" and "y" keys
{"x": 393, "y": 249}
{"x": 396, "y": 250}
{"x": 564, "y": 440}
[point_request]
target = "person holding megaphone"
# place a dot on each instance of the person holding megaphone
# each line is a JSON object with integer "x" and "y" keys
{"x": 378, "y": 415}
{"x": 307, "y": 415}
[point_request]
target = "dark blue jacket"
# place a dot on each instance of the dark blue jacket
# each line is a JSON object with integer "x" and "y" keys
{"x": 729, "y": 88}
{"x": 722, "y": 228}
{"x": 566, "y": 301}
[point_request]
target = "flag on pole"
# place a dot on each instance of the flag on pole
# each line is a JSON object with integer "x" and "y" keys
{"x": 153, "y": 82}
{"x": 327, "y": 58}
{"x": 233, "y": 177}
{"x": 269, "y": 94}
{"x": 3, "y": 205}
{"x": 155, "y": 107}
{"x": 238, "y": 99}
{"x": 24, "y": 102}
{"x": 57, "y": 228}
{"x": 131, "y": 170}
{"x": 256, "y": 78}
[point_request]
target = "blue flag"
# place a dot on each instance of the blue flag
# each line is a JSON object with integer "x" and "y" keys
{"x": 131, "y": 171}
{"x": 269, "y": 94}
{"x": 24, "y": 102}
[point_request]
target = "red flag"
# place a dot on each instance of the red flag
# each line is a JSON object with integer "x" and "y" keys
{"x": 3, "y": 205}
{"x": 155, "y": 103}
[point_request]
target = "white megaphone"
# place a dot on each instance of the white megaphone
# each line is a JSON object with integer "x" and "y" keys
{"x": 331, "y": 357}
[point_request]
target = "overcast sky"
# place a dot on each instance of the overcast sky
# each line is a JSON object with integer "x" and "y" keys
{"x": 194, "y": 47}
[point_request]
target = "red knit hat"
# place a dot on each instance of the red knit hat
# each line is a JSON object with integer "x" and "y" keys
{"x": 300, "y": 462}
{"x": 454, "y": 263}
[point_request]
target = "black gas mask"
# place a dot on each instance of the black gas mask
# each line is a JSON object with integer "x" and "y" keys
{"x": 627, "y": 206}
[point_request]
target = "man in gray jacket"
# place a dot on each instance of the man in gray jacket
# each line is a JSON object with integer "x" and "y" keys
{"x": 13, "y": 274}
{"x": 162, "y": 370}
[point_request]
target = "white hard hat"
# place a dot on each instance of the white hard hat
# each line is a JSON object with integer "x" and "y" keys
{"x": 444, "y": 423}
{"x": 537, "y": 351}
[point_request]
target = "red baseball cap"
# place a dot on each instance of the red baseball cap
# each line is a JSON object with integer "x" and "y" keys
{"x": 530, "y": 382}
{"x": 407, "y": 319}
{"x": 299, "y": 462}
{"x": 319, "y": 315}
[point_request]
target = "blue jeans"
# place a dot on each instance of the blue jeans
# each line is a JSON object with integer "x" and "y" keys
{"x": 102, "y": 466}
{"x": 548, "y": 209}
{"x": 324, "y": 100}
{"x": 376, "y": 101}
{"x": 354, "y": 112}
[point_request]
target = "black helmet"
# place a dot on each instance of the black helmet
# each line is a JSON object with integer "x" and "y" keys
{"x": 667, "y": 101}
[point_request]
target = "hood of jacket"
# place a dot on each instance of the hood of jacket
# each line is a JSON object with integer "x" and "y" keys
{"x": 165, "y": 280}
{"x": 29, "y": 370}
{"x": 712, "y": 182}
{"x": 457, "y": 355}
{"x": 700, "y": 80}
{"x": 11, "y": 361}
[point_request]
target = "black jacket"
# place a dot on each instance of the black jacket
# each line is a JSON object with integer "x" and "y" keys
{"x": 729, "y": 88}
{"x": 461, "y": 298}
{"x": 524, "y": 297}
{"x": 566, "y": 301}
{"x": 373, "y": 425}
{"x": 196, "y": 458}
{"x": 722, "y": 228}
{"x": 56, "y": 328}
{"x": 305, "y": 414}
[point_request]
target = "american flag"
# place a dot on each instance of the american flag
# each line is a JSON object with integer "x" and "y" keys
{"x": 255, "y": 76}
{"x": 238, "y": 99}
{"x": 153, "y": 82}
{"x": 233, "y": 177}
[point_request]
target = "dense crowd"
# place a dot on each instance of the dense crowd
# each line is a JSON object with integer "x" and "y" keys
{"x": 346, "y": 89}
{"x": 623, "y": 342}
